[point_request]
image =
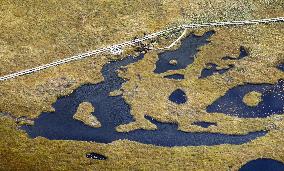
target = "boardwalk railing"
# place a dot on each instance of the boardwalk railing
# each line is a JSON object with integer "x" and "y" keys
{"x": 113, "y": 48}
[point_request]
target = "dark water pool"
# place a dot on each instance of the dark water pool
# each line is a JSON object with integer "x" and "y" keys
{"x": 204, "y": 124}
{"x": 175, "y": 76}
{"x": 184, "y": 55}
{"x": 213, "y": 69}
{"x": 112, "y": 111}
{"x": 263, "y": 165}
{"x": 243, "y": 54}
{"x": 281, "y": 67}
{"x": 178, "y": 96}
{"x": 96, "y": 156}
{"x": 231, "y": 103}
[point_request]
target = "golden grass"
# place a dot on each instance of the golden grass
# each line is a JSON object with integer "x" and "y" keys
{"x": 34, "y": 33}
{"x": 258, "y": 67}
{"x": 18, "y": 152}
{"x": 252, "y": 98}
{"x": 84, "y": 114}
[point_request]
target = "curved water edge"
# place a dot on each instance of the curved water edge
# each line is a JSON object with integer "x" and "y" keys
{"x": 280, "y": 67}
{"x": 184, "y": 55}
{"x": 272, "y": 101}
{"x": 178, "y": 96}
{"x": 263, "y": 164}
{"x": 243, "y": 53}
{"x": 206, "y": 72}
{"x": 204, "y": 124}
{"x": 112, "y": 111}
{"x": 96, "y": 156}
{"x": 175, "y": 76}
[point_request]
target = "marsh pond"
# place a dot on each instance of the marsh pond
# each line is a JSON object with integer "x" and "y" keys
{"x": 112, "y": 111}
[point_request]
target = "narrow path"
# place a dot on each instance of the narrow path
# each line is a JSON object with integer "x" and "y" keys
{"x": 117, "y": 47}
